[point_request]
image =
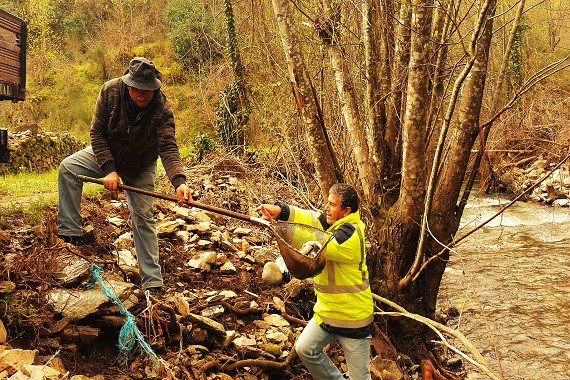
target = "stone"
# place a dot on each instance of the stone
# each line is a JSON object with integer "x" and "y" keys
{"x": 13, "y": 360}
{"x": 110, "y": 321}
{"x": 77, "y": 304}
{"x": 167, "y": 228}
{"x": 281, "y": 264}
{"x": 58, "y": 326}
{"x": 70, "y": 269}
{"x": 261, "y": 324}
{"x": 209, "y": 257}
{"x": 204, "y": 244}
{"x": 125, "y": 241}
{"x": 212, "y": 311}
{"x": 271, "y": 274}
{"x": 202, "y": 217}
{"x": 453, "y": 363}
{"x": 80, "y": 335}
{"x": 181, "y": 304}
{"x": 183, "y": 213}
{"x": 3, "y": 333}
{"x": 126, "y": 258}
{"x": 276, "y": 336}
{"x": 385, "y": 369}
{"x": 253, "y": 239}
{"x": 39, "y": 372}
{"x": 197, "y": 349}
{"x": 228, "y": 268}
{"x": 184, "y": 236}
{"x": 228, "y": 294}
{"x": 198, "y": 335}
{"x": 208, "y": 324}
{"x": 230, "y": 336}
{"x": 227, "y": 246}
{"x": 116, "y": 221}
{"x": 241, "y": 232}
{"x": 241, "y": 341}
{"x": 216, "y": 237}
{"x": 294, "y": 287}
{"x": 276, "y": 320}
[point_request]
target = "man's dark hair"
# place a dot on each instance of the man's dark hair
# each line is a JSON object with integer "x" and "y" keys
{"x": 347, "y": 194}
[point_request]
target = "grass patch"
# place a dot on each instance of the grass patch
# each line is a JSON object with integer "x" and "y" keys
{"x": 31, "y": 193}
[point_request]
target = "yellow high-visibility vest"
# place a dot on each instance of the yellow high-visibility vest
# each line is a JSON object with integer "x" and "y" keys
{"x": 343, "y": 291}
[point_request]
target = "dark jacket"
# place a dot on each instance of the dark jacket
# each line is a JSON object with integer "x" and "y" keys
{"x": 127, "y": 149}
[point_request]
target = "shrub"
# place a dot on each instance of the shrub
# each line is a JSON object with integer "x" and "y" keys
{"x": 194, "y": 32}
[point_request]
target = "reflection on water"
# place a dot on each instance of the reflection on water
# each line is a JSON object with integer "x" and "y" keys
{"x": 519, "y": 267}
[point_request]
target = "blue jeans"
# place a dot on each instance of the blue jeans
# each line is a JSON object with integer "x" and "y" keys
{"x": 140, "y": 207}
{"x": 310, "y": 347}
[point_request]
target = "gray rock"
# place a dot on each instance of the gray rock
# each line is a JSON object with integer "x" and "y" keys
{"x": 241, "y": 341}
{"x": 117, "y": 222}
{"x": 208, "y": 324}
{"x": 228, "y": 268}
{"x": 271, "y": 274}
{"x": 204, "y": 244}
{"x": 70, "y": 269}
{"x": 275, "y": 320}
{"x": 80, "y": 335}
{"x": 167, "y": 228}
{"x": 212, "y": 311}
{"x": 77, "y": 304}
{"x": 126, "y": 258}
{"x": 181, "y": 304}
{"x": 241, "y": 232}
{"x": 385, "y": 369}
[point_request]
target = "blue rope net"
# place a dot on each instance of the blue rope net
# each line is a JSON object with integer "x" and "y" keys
{"x": 129, "y": 334}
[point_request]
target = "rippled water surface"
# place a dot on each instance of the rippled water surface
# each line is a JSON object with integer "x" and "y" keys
{"x": 519, "y": 267}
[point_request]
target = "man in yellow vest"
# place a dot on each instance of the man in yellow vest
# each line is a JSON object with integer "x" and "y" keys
{"x": 344, "y": 308}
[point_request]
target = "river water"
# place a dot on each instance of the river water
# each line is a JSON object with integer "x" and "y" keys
{"x": 519, "y": 268}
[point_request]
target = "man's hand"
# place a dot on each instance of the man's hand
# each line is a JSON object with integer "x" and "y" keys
{"x": 111, "y": 182}
{"x": 183, "y": 193}
{"x": 270, "y": 212}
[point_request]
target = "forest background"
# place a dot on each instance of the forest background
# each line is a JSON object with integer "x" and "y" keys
{"x": 215, "y": 54}
{"x": 76, "y": 45}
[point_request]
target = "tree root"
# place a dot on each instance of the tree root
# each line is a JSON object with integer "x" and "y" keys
{"x": 214, "y": 365}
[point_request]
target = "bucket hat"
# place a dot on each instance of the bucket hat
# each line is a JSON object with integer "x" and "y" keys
{"x": 142, "y": 74}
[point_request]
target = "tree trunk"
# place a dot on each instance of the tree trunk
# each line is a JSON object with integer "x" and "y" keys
{"x": 395, "y": 111}
{"x": 349, "y": 105}
{"x": 444, "y": 219}
{"x": 327, "y": 171}
{"x": 407, "y": 212}
{"x": 374, "y": 104}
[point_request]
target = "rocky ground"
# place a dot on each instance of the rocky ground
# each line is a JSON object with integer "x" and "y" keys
{"x": 230, "y": 310}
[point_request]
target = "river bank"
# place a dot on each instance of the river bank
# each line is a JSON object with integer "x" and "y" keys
{"x": 516, "y": 270}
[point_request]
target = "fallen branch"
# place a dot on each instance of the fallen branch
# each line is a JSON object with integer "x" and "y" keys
{"x": 260, "y": 363}
{"x": 480, "y": 362}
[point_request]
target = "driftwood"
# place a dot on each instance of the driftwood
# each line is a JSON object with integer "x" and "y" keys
{"x": 479, "y": 361}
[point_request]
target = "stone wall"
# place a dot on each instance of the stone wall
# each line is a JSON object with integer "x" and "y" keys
{"x": 38, "y": 152}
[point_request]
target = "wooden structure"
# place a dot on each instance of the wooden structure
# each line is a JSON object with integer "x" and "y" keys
{"x": 13, "y": 36}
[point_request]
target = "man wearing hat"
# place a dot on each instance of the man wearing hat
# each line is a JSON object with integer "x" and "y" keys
{"x": 132, "y": 126}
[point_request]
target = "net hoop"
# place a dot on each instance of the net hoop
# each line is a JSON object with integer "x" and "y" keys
{"x": 299, "y": 265}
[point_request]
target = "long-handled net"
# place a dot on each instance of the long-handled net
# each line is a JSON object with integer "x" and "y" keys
{"x": 302, "y": 247}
